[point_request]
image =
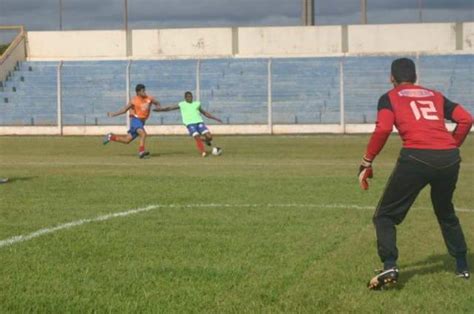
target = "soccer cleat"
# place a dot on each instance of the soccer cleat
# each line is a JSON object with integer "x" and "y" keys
{"x": 384, "y": 279}
{"x": 203, "y": 154}
{"x": 3, "y": 180}
{"x": 107, "y": 138}
{"x": 463, "y": 274}
{"x": 142, "y": 155}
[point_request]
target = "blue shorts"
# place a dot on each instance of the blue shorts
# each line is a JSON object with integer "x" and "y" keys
{"x": 197, "y": 129}
{"x": 135, "y": 125}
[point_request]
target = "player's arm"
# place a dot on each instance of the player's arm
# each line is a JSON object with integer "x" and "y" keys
{"x": 155, "y": 103}
{"x": 122, "y": 111}
{"x": 383, "y": 129}
{"x": 209, "y": 116}
{"x": 169, "y": 108}
{"x": 463, "y": 119}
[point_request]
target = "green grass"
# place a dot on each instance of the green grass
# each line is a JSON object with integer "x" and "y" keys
{"x": 233, "y": 258}
{"x": 3, "y": 48}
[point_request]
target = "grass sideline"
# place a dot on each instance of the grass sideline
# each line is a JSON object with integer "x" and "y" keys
{"x": 278, "y": 239}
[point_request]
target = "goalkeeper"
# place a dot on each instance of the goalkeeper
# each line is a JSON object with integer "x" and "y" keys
{"x": 430, "y": 156}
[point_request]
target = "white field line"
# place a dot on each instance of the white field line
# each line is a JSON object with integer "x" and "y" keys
{"x": 44, "y": 231}
{"x": 38, "y": 233}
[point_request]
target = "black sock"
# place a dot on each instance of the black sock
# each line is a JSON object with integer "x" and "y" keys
{"x": 388, "y": 264}
{"x": 461, "y": 263}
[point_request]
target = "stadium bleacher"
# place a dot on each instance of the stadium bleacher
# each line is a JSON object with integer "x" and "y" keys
{"x": 29, "y": 96}
{"x": 236, "y": 90}
{"x": 304, "y": 90}
{"x": 365, "y": 80}
{"x": 453, "y": 75}
{"x": 165, "y": 80}
{"x": 90, "y": 89}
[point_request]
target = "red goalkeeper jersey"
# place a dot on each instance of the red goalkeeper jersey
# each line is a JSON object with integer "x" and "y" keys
{"x": 419, "y": 115}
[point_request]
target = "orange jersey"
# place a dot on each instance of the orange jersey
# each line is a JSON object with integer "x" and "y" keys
{"x": 141, "y": 107}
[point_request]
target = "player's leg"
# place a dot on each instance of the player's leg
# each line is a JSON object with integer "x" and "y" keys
{"x": 135, "y": 124}
{"x": 125, "y": 139}
{"x": 200, "y": 145}
{"x": 442, "y": 190}
{"x": 202, "y": 129}
{"x": 207, "y": 135}
{"x": 193, "y": 131}
{"x": 404, "y": 185}
{"x": 141, "y": 149}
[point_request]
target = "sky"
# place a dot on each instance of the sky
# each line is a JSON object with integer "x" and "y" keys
{"x": 108, "y": 14}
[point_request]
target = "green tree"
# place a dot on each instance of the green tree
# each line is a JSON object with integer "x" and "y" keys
{"x": 3, "y": 48}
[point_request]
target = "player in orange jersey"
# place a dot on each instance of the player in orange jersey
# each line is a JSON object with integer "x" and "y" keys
{"x": 139, "y": 108}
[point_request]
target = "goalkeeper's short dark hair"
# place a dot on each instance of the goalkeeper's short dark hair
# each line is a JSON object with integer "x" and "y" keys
{"x": 139, "y": 87}
{"x": 404, "y": 70}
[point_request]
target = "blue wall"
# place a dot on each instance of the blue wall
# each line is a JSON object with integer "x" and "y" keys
{"x": 304, "y": 90}
{"x": 235, "y": 90}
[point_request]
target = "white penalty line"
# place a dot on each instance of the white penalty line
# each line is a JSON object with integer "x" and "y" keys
{"x": 44, "y": 231}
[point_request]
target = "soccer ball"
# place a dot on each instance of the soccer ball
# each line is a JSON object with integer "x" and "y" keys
{"x": 216, "y": 151}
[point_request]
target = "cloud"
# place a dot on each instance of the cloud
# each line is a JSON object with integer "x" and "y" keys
{"x": 427, "y": 4}
{"x": 108, "y": 14}
{"x": 222, "y": 12}
{"x": 89, "y": 14}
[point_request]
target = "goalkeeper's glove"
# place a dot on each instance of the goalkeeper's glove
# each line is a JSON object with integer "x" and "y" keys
{"x": 365, "y": 172}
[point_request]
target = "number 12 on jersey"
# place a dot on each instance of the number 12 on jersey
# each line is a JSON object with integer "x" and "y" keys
{"x": 424, "y": 109}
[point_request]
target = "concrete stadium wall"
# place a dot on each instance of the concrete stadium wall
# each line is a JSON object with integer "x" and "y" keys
{"x": 64, "y": 45}
{"x": 158, "y": 130}
{"x": 468, "y": 36}
{"x": 257, "y": 41}
{"x": 252, "y": 41}
{"x": 182, "y": 42}
{"x": 402, "y": 38}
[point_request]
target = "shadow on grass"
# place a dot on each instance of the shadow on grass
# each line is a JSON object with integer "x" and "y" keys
{"x": 431, "y": 265}
{"x": 154, "y": 154}
{"x": 16, "y": 179}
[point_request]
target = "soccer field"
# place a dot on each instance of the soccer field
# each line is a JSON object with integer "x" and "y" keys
{"x": 275, "y": 224}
